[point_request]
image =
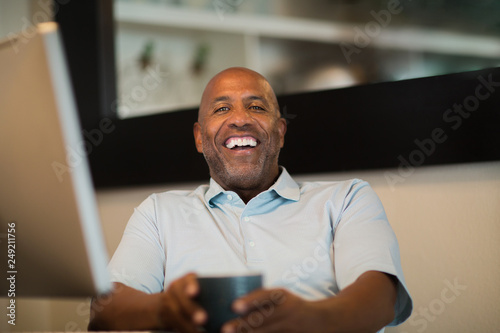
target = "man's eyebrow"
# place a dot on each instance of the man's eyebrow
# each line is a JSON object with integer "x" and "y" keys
{"x": 255, "y": 98}
{"x": 221, "y": 99}
{"x": 250, "y": 98}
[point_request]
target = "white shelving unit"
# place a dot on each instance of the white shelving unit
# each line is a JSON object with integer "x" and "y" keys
{"x": 238, "y": 39}
{"x": 410, "y": 38}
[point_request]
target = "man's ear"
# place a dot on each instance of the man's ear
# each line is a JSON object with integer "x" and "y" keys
{"x": 198, "y": 141}
{"x": 282, "y": 130}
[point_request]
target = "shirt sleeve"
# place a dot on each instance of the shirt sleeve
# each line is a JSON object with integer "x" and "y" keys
{"x": 364, "y": 241}
{"x": 139, "y": 260}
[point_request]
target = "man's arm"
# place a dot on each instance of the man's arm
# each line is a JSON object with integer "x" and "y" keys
{"x": 367, "y": 305}
{"x": 129, "y": 309}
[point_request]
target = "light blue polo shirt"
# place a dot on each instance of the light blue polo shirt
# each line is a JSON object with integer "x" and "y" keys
{"x": 313, "y": 238}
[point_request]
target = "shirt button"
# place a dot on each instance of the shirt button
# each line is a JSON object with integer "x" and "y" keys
{"x": 251, "y": 243}
{"x": 229, "y": 197}
{"x": 246, "y": 219}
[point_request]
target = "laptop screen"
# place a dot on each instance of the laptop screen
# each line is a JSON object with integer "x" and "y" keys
{"x": 51, "y": 240}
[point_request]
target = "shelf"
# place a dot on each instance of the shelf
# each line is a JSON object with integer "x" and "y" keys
{"x": 266, "y": 26}
{"x": 409, "y": 38}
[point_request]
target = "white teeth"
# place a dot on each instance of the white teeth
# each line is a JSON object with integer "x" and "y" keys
{"x": 233, "y": 142}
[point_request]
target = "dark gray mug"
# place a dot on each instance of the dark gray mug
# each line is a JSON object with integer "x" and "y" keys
{"x": 218, "y": 293}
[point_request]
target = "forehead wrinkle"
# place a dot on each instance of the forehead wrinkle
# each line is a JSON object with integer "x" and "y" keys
{"x": 254, "y": 98}
{"x": 220, "y": 99}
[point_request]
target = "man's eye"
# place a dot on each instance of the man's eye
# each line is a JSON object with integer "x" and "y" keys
{"x": 222, "y": 109}
{"x": 256, "y": 107}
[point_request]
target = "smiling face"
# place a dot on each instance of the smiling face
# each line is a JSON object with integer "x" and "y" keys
{"x": 240, "y": 131}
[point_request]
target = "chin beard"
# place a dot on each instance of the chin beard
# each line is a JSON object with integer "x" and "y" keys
{"x": 246, "y": 177}
{"x": 241, "y": 177}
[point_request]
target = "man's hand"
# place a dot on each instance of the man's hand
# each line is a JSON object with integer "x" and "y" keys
{"x": 178, "y": 310}
{"x": 274, "y": 310}
{"x": 367, "y": 305}
{"x": 129, "y": 309}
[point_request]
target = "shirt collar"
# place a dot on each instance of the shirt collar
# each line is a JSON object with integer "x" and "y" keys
{"x": 285, "y": 187}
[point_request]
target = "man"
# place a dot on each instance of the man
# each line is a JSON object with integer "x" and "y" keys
{"x": 328, "y": 254}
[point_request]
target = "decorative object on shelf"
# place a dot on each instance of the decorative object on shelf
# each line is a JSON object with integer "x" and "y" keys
{"x": 146, "y": 57}
{"x": 200, "y": 58}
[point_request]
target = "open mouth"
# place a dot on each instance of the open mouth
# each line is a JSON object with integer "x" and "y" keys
{"x": 241, "y": 143}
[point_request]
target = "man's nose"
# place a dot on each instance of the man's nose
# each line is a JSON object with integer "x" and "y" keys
{"x": 240, "y": 117}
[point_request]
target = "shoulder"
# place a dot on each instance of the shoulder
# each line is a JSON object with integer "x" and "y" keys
{"x": 340, "y": 194}
{"x": 180, "y": 194}
{"x": 341, "y": 188}
{"x": 174, "y": 197}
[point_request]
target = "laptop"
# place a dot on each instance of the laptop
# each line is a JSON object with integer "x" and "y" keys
{"x": 51, "y": 241}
